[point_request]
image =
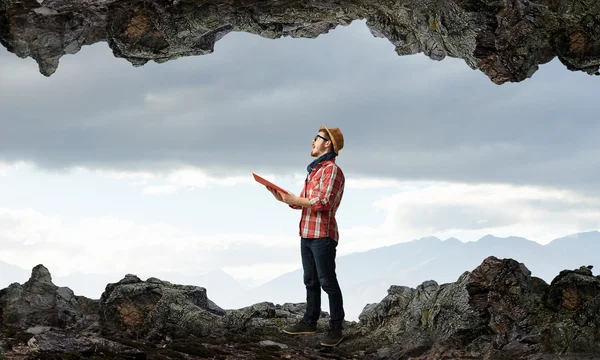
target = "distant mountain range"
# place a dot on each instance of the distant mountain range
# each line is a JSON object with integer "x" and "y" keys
{"x": 10, "y": 274}
{"x": 365, "y": 277}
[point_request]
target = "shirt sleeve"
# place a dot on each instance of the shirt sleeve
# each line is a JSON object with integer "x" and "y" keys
{"x": 332, "y": 183}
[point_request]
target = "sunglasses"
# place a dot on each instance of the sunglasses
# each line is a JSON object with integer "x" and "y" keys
{"x": 319, "y": 136}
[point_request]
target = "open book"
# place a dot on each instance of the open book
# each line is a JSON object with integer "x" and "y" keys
{"x": 268, "y": 183}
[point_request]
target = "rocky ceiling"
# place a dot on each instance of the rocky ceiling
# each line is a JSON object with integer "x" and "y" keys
{"x": 505, "y": 39}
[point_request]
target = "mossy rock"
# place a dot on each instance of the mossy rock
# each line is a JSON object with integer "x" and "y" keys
{"x": 279, "y": 323}
{"x": 425, "y": 317}
{"x": 321, "y": 326}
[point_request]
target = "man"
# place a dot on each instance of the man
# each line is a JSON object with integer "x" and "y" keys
{"x": 319, "y": 201}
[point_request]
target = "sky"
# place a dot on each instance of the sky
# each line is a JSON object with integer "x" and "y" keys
{"x": 105, "y": 167}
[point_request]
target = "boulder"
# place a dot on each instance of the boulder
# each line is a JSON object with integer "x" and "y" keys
{"x": 506, "y": 40}
{"x": 153, "y": 309}
{"x": 496, "y": 311}
{"x": 39, "y": 302}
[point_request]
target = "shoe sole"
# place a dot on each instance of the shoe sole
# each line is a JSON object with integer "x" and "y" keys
{"x": 300, "y": 333}
{"x": 332, "y": 345}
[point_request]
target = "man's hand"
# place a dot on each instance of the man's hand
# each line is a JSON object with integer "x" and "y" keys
{"x": 292, "y": 200}
{"x": 275, "y": 193}
{"x": 289, "y": 198}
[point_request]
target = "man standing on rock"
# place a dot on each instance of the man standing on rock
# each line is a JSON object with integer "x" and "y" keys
{"x": 319, "y": 201}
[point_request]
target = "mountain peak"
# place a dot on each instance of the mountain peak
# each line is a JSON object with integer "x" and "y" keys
{"x": 492, "y": 238}
{"x": 489, "y": 237}
{"x": 588, "y": 237}
{"x": 430, "y": 239}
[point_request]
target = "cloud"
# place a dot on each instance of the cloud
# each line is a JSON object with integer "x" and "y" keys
{"x": 192, "y": 177}
{"x": 465, "y": 210}
{"x": 457, "y": 217}
{"x": 446, "y": 152}
{"x": 29, "y": 227}
{"x": 411, "y": 210}
{"x": 232, "y": 112}
{"x": 371, "y": 183}
{"x": 96, "y": 244}
{"x": 159, "y": 190}
{"x": 184, "y": 177}
{"x": 187, "y": 178}
{"x": 6, "y": 168}
{"x": 142, "y": 176}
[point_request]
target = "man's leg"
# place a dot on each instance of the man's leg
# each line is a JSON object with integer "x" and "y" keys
{"x": 308, "y": 325}
{"x": 311, "y": 281}
{"x": 325, "y": 252}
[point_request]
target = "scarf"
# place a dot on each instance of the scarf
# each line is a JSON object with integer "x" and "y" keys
{"x": 329, "y": 156}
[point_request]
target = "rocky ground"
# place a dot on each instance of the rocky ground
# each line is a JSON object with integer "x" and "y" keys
{"x": 497, "y": 311}
{"x": 506, "y": 40}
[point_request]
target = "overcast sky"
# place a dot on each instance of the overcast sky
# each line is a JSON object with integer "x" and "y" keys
{"x": 106, "y": 167}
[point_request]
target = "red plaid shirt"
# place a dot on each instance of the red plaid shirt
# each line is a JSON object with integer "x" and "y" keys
{"x": 325, "y": 189}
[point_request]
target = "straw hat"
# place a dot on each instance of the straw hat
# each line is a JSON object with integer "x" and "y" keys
{"x": 336, "y": 138}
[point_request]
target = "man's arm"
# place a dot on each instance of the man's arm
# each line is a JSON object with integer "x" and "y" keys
{"x": 332, "y": 182}
{"x": 299, "y": 203}
{"x": 280, "y": 197}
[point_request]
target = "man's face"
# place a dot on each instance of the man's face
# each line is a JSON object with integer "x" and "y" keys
{"x": 320, "y": 144}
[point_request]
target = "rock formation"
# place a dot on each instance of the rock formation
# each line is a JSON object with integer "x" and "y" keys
{"x": 40, "y": 302}
{"x": 497, "y": 311}
{"x": 507, "y": 40}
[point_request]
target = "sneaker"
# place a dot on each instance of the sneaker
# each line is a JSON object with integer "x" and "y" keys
{"x": 333, "y": 337}
{"x": 301, "y": 328}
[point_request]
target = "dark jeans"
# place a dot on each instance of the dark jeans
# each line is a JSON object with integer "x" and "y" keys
{"x": 318, "y": 261}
